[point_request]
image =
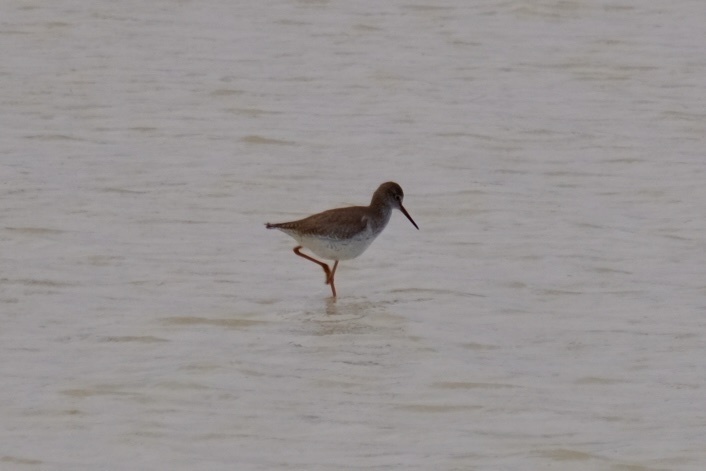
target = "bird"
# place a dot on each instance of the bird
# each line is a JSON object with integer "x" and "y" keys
{"x": 344, "y": 233}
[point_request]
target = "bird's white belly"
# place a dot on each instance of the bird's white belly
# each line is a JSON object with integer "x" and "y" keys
{"x": 338, "y": 249}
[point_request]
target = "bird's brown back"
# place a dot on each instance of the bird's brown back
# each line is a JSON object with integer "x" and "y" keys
{"x": 340, "y": 223}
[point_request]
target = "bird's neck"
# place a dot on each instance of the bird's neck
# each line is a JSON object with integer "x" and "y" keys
{"x": 380, "y": 215}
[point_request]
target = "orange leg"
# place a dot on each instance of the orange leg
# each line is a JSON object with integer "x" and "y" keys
{"x": 330, "y": 278}
{"x": 326, "y": 268}
{"x": 329, "y": 273}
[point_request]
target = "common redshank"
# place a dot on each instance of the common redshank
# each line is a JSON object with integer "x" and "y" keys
{"x": 344, "y": 233}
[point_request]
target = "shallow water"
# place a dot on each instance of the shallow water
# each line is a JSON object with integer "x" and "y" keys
{"x": 549, "y": 313}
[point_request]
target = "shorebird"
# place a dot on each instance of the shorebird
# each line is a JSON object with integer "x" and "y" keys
{"x": 344, "y": 233}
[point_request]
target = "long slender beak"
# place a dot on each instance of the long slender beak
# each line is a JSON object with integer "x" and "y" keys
{"x": 404, "y": 211}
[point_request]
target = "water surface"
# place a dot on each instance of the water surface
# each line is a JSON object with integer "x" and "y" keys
{"x": 548, "y": 315}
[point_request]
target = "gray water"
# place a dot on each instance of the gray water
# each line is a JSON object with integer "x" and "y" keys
{"x": 550, "y": 313}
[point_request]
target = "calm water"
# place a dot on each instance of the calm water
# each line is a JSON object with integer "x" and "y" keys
{"x": 550, "y": 313}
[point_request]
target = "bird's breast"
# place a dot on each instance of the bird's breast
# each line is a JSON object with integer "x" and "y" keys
{"x": 340, "y": 248}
